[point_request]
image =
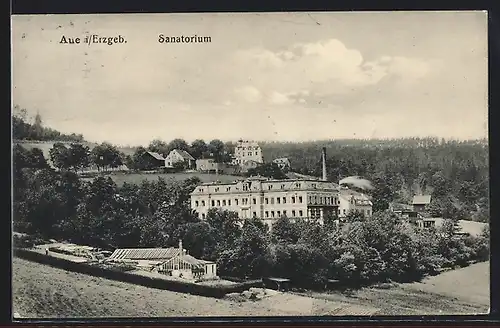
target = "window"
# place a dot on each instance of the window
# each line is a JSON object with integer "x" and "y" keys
{"x": 255, "y": 201}
{"x": 428, "y": 224}
{"x": 267, "y": 200}
{"x": 218, "y": 202}
{"x": 293, "y": 200}
{"x": 254, "y": 214}
{"x": 272, "y": 214}
{"x": 256, "y": 153}
{"x": 249, "y": 153}
{"x": 196, "y": 203}
{"x": 267, "y": 214}
{"x": 216, "y": 189}
{"x": 344, "y": 211}
{"x": 282, "y": 186}
{"x": 297, "y": 185}
{"x": 229, "y": 202}
{"x": 224, "y": 202}
{"x": 270, "y": 187}
{"x": 202, "y": 203}
{"x": 203, "y": 216}
{"x": 314, "y": 185}
{"x": 245, "y": 187}
{"x": 278, "y": 200}
{"x": 236, "y": 201}
{"x": 213, "y": 202}
{"x": 284, "y": 200}
{"x": 301, "y": 214}
{"x": 279, "y": 213}
{"x": 284, "y": 213}
{"x": 228, "y": 188}
{"x": 272, "y": 200}
{"x": 300, "y": 199}
{"x": 293, "y": 213}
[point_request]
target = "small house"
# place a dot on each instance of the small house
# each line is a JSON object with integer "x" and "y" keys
{"x": 170, "y": 261}
{"x": 283, "y": 163}
{"x": 153, "y": 160}
{"x": 405, "y": 211}
{"x": 421, "y": 202}
{"x": 179, "y": 157}
{"x": 353, "y": 201}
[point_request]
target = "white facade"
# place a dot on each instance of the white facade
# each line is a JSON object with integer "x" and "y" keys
{"x": 178, "y": 156}
{"x": 351, "y": 201}
{"x": 269, "y": 199}
{"x": 247, "y": 151}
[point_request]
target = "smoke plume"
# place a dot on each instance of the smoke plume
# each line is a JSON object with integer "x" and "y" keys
{"x": 357, "y": 182}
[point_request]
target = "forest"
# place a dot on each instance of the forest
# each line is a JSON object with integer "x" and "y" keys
{"x": 59, "y": 205}
{"x": 22, "y": 129}
{"x": 455, "y": 173}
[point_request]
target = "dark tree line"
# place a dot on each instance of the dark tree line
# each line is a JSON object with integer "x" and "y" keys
{"x": 23, "y": 130}
{"x": 58, "y": 204}
{"x": 455, "y": 173}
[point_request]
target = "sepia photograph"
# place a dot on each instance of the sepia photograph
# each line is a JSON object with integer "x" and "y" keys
{"x": 292, "y": 164}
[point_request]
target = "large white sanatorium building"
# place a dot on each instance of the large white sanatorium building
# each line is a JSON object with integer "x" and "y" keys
{"x": 269, "y": 199}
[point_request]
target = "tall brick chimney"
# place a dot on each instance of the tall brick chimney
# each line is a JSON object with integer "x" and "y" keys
{"x": 323, "y": 159}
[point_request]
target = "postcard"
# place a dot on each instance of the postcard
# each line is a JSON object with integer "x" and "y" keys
{"x": 250, "y": 164}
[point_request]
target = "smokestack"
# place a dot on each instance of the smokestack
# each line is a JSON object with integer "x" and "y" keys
{"x": 323, "y": 158}
{"x": 180, "y": 247}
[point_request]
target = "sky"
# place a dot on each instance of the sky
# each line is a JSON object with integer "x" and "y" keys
{"x": 267, "y": 76}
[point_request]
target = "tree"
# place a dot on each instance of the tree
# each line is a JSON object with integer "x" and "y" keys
{"x": 36, "y": 159}
{"x": 216, "y": 148}
{"x": 158, "y": 146}
{"x": 60, "y": 156}
{"x": 79, "y": 156}
{"x": 198, "y": 148}
{"x": 106, "y": 156}
{"x": 178, "y": 144}
{"x": 285, "y": 231}
{"x": 269, "y": 170}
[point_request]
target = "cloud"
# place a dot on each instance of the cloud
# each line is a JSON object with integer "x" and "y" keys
{"x": 318, "y": 69}
{"x": 248, "y": 93}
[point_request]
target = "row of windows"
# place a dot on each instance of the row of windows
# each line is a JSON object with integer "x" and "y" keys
{"x": 278, "y": 214}
{"x": 365, "y": 212}
{"x": 250, "y": 154}
{"x": 247, "y": 188}
{"x": 244, "y": 201}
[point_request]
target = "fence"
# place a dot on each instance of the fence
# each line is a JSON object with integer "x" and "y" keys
{"x": 158, "y": 283}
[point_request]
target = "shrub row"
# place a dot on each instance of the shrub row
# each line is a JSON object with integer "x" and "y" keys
{"x": 158, "y": 283}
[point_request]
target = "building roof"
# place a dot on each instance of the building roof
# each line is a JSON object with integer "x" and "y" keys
{"x": 261, "y": 182}
{"x": 192, "y": 261}
{"x": 464, "y": 226}
{"x": 281, "y": 160}
{"x": 156, "y": 155}
{"x": 421, "y": 200}
{"x": 144, "y": 253}
{"x": 184, "y": 154}
{"x": 399, "y": 207}
{"x": 359, "y": 198}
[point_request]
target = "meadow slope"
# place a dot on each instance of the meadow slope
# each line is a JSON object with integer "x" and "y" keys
{"x": 41, "y": 291}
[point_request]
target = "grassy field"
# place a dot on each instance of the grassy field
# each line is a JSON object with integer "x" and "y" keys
{"x": 41, "y": 291}
{"x": 137, "y": 178}
{"x": 461, "y": 291}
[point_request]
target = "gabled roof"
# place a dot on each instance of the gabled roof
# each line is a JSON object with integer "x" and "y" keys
{"x": 401, "y": 207}
{"x": 144, "y": 253}
{"x": 184, "y": 154}
{"x": 421, "y": 200}
{"x": 156, "y": 155}
{"x": 192, "y": 261}
{"x": 281, "y": 160}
